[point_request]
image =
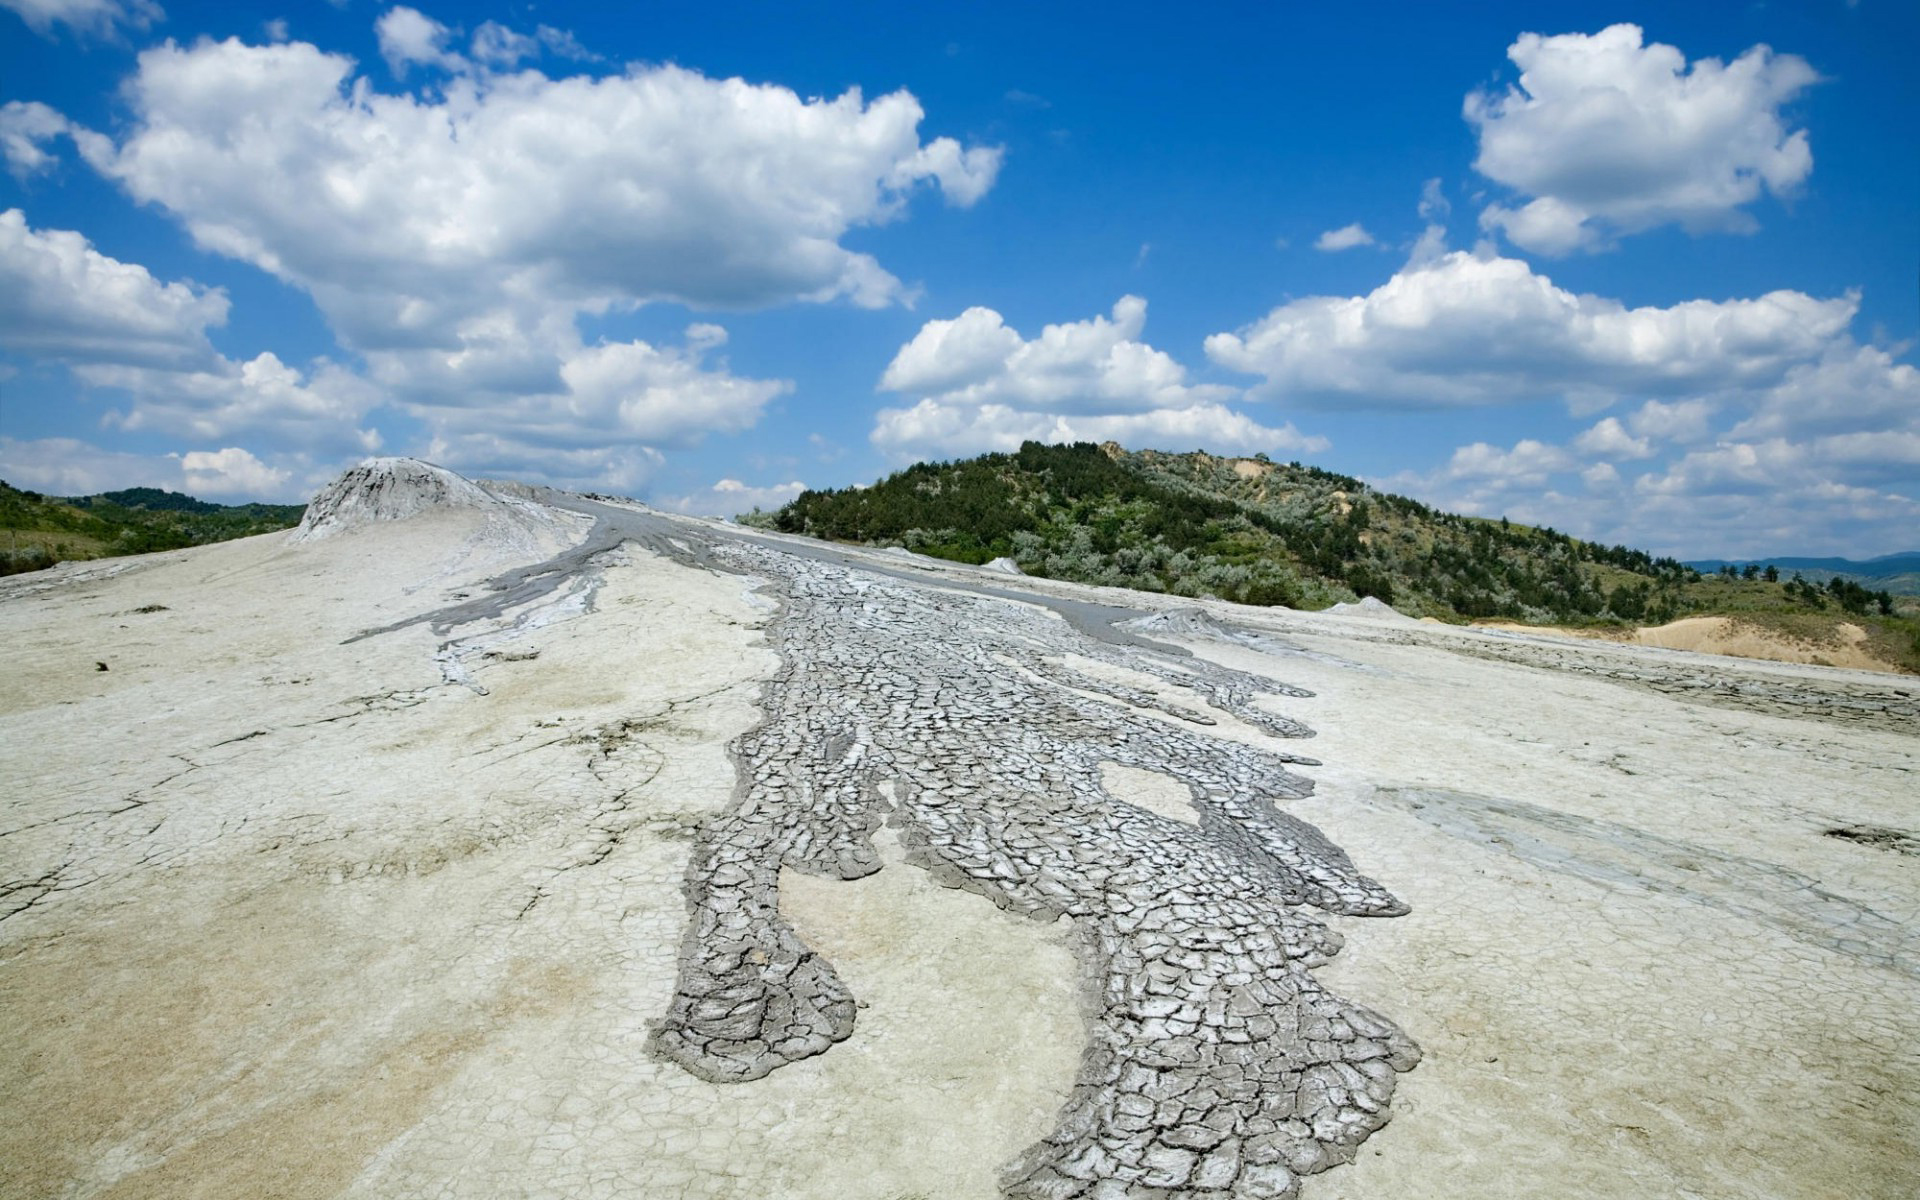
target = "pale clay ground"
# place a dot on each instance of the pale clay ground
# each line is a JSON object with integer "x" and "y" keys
{"x": 306, "y": 920}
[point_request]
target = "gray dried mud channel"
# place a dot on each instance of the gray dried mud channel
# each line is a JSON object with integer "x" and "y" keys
{"x": 1215, "y": 1064}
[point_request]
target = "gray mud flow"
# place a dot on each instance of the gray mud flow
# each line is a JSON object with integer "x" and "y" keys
{"x": 1215, "y": 1061}
{"x": 692, "y": 545}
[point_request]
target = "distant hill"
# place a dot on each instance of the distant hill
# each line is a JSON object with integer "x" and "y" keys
{"x": 1245, "y": 529}
{"x": 1897, "y": 573}
{"x": 1261, "y": 532}
{"x": 38, "y": 531}
{"x": 151, "y": 499}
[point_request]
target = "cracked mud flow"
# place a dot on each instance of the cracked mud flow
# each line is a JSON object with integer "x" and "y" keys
{"x": 1215, "y": 1061}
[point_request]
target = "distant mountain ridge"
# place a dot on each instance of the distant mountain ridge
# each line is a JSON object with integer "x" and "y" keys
{"x": 1897, "y": 573}
{"x": 1884, "y": 565}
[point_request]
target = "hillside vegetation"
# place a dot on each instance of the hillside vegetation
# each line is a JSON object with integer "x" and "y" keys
{"x": 38, "y": 531}
{"x": 1260, "y": 532}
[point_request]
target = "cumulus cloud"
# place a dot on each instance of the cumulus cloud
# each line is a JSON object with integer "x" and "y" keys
{"x": 1678, "y": 421}
{"x": 25, "y": 127}
{"x": 1846, "y": 464}
{"x": 730, "y": 497}
{"x": 1824, "y": 455}
{"x": 455, "y": 236}
{"x": 1607, "y": 135}
{"x": 62, "y": 299}
{"x": 982, "y": 386}
{"x": 119, "y": 329}
{"x": 1548, "y": 226}
{"x": 230, "y": 471}
{"x": 616, "y": 404}
{"x": 1729, "y": 500}
{"x": 1344, "y": 238}
{"x": 409, "y": 36}
{"x": 321, "y": 410}
{"x": 1527, "y": 464}
{"x": 1464, "y": 330}
{"x": 1784, "y": 476}
{"x": 1096, "y": 365}
{"x": 1610, "y": 439}
{"x": 405, "y": 215}
{"x": 623, "y": 467}
{"x": 96, "y": 18}
{"x": 1852, "y": 389}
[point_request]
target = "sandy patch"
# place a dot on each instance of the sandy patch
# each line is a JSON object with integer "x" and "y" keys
{"x": 1727, "y": 635}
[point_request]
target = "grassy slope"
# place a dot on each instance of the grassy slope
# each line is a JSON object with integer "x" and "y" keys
{"x": 37, "y": 531}
{"x": 1270, "y": 533}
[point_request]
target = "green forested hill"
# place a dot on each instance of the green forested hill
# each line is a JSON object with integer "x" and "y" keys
{"x": 37, "y": 531}
{"x": 1261, "y": 532}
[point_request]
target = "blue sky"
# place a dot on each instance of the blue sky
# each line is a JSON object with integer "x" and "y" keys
{"x": 1642, "y": 275}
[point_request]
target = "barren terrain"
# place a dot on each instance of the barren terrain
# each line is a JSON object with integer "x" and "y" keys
{"x": 521, "y": 845}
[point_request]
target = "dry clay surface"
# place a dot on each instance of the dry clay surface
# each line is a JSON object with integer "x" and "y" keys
{"x": 412, "y": 915}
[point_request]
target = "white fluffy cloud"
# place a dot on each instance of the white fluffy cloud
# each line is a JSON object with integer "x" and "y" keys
{"x": 1828, "y": 457}
{"x": 409, "y": 36}
{"x": 62, "y": 299}
{"x": 25, "y": 127}
{"x": 1732, "y": 499}
{"x": 455, "y": 236}
{"x": 1528, "y": 464}
{"x": 1610, "y": 439}
{"x": 1607, "y": 135}
{"x": 231, "y": 471}
{"x": 730, "y": 497}
{"x": 408, "y": 216}
{"x": 982, "y": 386}
{"x": 1344, "y": 238}
{"x": 1093, "y": 366}
{"x": 1852, "y": 389}
{"x": 1762, "y": 426}
{"x": 120, "y": 330}
{"x": 1678, "y": 421}
{"x": 614, "y": 404}
{"x": 481, "y": 452}
{"x": 1463, "y": 330}
{"x": 98, "y": 18}
{"x": 321, "y": 410}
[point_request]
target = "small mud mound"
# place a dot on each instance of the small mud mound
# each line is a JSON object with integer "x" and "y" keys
{"x": 1005, "y": 566}
{"x": 1370, "y": 607}
{"x": 1187, "y": 622}
{"x": 388, "y": 489}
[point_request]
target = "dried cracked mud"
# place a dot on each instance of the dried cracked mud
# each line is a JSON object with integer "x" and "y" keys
{"x": 1215, "y": 1063}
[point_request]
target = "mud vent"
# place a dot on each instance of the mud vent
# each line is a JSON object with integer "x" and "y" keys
{"x": 1898, "y": 841}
